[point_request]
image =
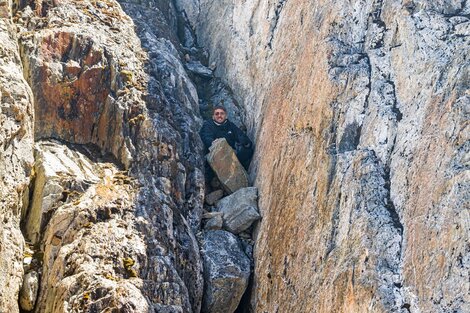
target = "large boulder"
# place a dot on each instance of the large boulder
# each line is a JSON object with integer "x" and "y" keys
{"x": 240, "y": 209}
{"x": 226, "y": 166}
{"x": 226, "y": 272}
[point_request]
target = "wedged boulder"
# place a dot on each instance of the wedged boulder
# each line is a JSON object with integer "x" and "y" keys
{"x": 226, "y": 272}
{"x": 29, "y": 291}
{"x": 226, "y": 166}
{"x": 239, "y": 210}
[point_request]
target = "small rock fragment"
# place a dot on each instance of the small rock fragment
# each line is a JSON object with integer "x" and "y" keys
{"x": 197, "y": 68}
{"x": 214, "y": 196}
{"x": 214, "y": 223}
{"x": 209, "y": 215}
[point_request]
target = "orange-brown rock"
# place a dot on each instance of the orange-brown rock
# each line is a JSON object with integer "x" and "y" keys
{"x": 358, "y": 112}
{"x": 119, "y": 185}
{"x": 226, "y": 166}
{"x": 79, "y": 85}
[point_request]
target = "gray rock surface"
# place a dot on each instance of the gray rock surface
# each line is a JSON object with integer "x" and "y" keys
{"x": 337, "y": 95}
{"x": 214, "y": 196}
{"x": 226, "y": 166}
{"x": 122, "y": 239}
{"x": 214, "y": 223}
{"x": 359, "y": 111}
{"x": 197, "y": 68}
{"x": 29, "y": 291}
{"x": 60, "y": 172}
{"x": 226, "y": 272}
{"x": 240, "y": 209}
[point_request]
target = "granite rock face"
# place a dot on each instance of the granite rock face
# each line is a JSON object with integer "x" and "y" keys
{"x": 226, "y": 272}
{"x": 358, "y": 110}
{"x": 59, "y": 173}
{"x": 87, "y": 240}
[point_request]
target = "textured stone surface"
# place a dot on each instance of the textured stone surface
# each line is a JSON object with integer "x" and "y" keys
{"x": 59, "y": 173}
{"x": 81, "y": 90}
{"x": 359, "y": 110}
{"x": 16, "y": 159}
{"x": 29, "y": 291}
{"x": 226, "y": 166}
{"x": 124, "y": 239}
{"x": 337, "y": 92}
{"x": 239, "y": 209}
{"x": 197, "y": 68}
{"x": 214, "y": 223}
{"x": 86, "y": 243}
{"x": 214, "y": 196}
{"x": 226, "y": 272}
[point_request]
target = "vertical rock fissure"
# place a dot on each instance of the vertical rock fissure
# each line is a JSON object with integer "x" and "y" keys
{"x": 380, "y": 76}
{"x": 274, "y": 21}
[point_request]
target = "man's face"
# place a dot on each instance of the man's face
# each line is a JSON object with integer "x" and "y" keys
{"x": 219, "y": 116}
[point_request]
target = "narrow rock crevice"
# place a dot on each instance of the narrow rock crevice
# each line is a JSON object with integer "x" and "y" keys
{"x": 274, "y": 21}
{"x": 116, "y": 211}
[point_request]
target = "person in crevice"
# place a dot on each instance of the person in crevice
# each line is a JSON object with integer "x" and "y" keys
{"x": 221, "y": 127}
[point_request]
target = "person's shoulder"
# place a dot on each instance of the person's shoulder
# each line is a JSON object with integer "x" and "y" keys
{"x": 232, "y": 125}
{"x": 208, "y": 123}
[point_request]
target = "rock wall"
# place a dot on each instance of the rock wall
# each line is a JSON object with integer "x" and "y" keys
{"x": 16, "y": 158}
{"x": 117, "y": 187}
{"x": 359, "y": 111}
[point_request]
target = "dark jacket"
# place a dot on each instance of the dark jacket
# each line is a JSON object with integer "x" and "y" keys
{"x": 234, "y": 136}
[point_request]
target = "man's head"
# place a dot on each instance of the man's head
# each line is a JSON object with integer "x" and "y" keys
{"x": 219, "y": 114}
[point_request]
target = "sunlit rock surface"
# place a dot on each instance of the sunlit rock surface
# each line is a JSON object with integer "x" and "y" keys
{"x": 118, "y": 186}
{"x": 224, "y": 162}
{"x": 358, "y": 110}
{"x": 16, "y": 159}
{"x": 239, "y": 210}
